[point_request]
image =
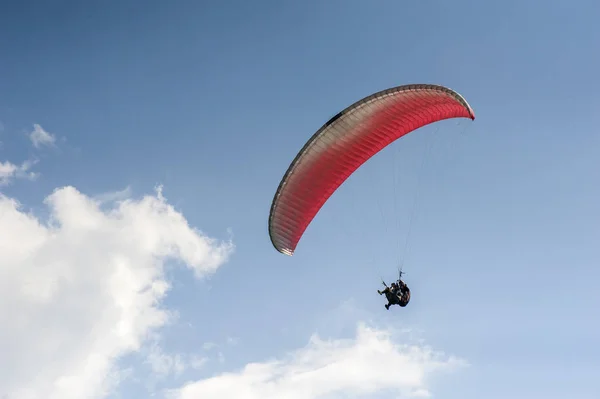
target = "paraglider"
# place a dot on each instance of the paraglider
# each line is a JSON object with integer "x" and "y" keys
{"x": 346, "y": 142}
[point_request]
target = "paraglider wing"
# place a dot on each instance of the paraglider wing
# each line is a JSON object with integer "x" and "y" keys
{"x": 346, "y": 142}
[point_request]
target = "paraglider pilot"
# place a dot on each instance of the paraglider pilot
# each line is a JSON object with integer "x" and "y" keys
{"x": 397, "y": 294}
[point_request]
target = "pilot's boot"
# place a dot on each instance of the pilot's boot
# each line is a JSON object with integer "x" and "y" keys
{"x": 379, "y": 292}
{"x": 387, "y": 306}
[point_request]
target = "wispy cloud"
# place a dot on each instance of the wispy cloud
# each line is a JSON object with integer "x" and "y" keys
{"x": 209, "y": 345}
{"x": 10, "y": 171}
{"x": 40, "y": 137}
{"x": 217, "y": 349}
{"x": 113, "y": 196}
{"x": 164, "y": 364}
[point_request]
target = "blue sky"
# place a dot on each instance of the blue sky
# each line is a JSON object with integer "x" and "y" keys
{"x": 212, "y": 101}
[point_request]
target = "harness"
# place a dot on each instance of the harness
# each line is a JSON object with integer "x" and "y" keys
{"x": 405, "y": 298}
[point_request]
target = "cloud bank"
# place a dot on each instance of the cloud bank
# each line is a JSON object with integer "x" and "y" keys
{"x": 83, "y": 288}
{"x": 370, "y": 363}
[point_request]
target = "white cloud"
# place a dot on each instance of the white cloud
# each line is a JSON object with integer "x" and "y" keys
{"x": 40, "y": 137}
{"x": 85, "y": 288}
{"x": 370, "y": 363}
{"x": 10, "y": 171}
